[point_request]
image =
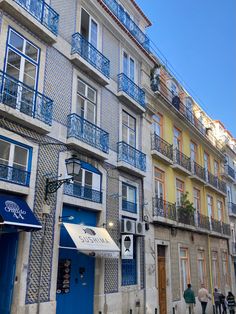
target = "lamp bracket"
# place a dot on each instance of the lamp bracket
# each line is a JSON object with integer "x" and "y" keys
{"x": 54, "y": 185}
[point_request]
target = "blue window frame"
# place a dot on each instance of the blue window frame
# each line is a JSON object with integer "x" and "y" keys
{"x": 129, "y": 198}
{"x": 15, "y": 161}
{"x": 129, "y": 268}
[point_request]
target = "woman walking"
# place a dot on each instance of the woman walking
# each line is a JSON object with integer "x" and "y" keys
{"x": 231, "y": 302}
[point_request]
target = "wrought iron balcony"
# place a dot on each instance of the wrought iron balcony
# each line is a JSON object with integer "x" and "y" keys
{"x": 232, "y": 208}
{"x": 126, "y": 20}
{"x": 42, "y": 12}
{"x": 185, "y": 217}
{"x": 215, "y": 225}
{"x": 162, "y": 146}
{"x": 203, "y": 222}
{"x": 131, "y": 155}
{"x": 14, "y": 175}
{"x": 129, "y": 207}
{"x": 88, "y": 52}
{"x": 87, "y": 132}
{"x": 164, "y": 209}
{"x": 86, "y": 193}
{"x": 222, "y": 186}
{"x": 198, "y": 171}
{"x": 126, "y": 85}
{"x": 226, "y": 229}
{"x": 230, "y": 171}
{"x": 21, "y": 97}
{"x": 211, "y": 179}
{"x": 182, "y": 160}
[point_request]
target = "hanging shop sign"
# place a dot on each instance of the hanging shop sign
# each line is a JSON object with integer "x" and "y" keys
{"x": 127, "y": 246}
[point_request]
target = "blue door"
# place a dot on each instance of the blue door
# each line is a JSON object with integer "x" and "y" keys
{"x": 8, "y": 247}
{"x": 75, "y": 281}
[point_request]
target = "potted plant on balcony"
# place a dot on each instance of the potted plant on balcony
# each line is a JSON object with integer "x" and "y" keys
{"x": 186, "y": 210}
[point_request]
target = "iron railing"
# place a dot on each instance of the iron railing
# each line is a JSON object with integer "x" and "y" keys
{"x": 131, "y": 155}
{"x": 203, "y": 221}
{"x": 129, "y": 206}
{"x": 198, "y": 170}
{"x": 230, "y": 171}
{"x": 232, "y": 208}
{"x": 87, "y": 132}
{"x": 185, "y": 217}
{"x": 40, "y": 10}
{"x": 162, "y": 146}
{"x": 222, "y": 186}
{"x": 83, "y": 192}
{"x": 226, "y": 229}
{"x": 19, "y": 96}
{"x": 212, "y": 179}
{"x": 14, "y": 175}
{"x": 125, "y": 84}
{"x": 182, "y": 160}
{"x": 215, "y": 225}
{"x": 164, "y": 209}
{"x": 126, "y": 20}
{"x": 93, "y": 56}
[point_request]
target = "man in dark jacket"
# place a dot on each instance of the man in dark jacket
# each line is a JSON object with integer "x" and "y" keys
{"x": 189, "y": 298}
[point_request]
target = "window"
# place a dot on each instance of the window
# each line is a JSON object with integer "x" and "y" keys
{"x": 177, "y": 139}
{"x": 229, "y": 194}
{"x": 206, "y": 164}
{"x": 89, "y": 28}
{"x": 129, "y": 268}
{"x": 179, "y": 191}
{"x": 88, "y": 179}
{"x": 158, "y": 125}
{"x": 86, "y": 102}
{"x": 201, "y": 267}
{"x": 197, "y": 200}
{"x": 14, "y": 162}
{"x": 129, "y": 66}
{"x": 173, "y": 88}
{"x": 159, "y": 183}
{"x": 128, "y": 129}
{"x": 193, "y": 151}
{"x": 220, "y": 210}
{"x": 189, "y": 108}
{"x": 129, "y": 202}
{"x": 210, "y": 206}
{"x": 215, "y": 273}
{"x": 184, "y": 268}
{"x": 216, "y": 168}
{"x": 225, "y": 267}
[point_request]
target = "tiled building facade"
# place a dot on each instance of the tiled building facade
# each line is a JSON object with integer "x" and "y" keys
{"x": 78, "y": 78}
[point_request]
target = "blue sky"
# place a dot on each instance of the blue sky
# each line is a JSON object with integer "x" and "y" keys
{"x": 198, "y": 38}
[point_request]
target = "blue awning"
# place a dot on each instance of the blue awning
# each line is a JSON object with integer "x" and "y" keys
{"x": 14, "y": 211}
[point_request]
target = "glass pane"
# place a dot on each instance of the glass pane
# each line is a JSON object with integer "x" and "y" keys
{"x": 183, "y": 253}
{"x": 16, "y": 41}
{"x": 131, "y": 138}
{"x": 124, "y": 118}
{"x": 31, "y": 51}
{"x": 4, "y": 152}
{"x": 132, "y": 69}
{"x": 81, "y": 87}
{"x": 124, "y": 191}
{"x": 124, "y": 133}
{"x": 125, "y": 64}
{"x": 94, "y": 33}
{"x": 90, "y": 112}
{"x": 131, "y": 195}
{"x": 13, "y": 64}
{"x": 78, "y": 178}
{"x": 29, "y": 74}
{"x": 80, "y": 106}
{"x": 132, "y": 123}
{"x": 20, "y": 157}
{"x": 88, "y": 179}
{"x": 91, "y": 94}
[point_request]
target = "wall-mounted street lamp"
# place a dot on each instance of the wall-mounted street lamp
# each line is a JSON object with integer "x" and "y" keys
{"x": 73, "y": 166}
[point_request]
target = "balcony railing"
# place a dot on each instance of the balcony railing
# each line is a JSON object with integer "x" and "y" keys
{"x": 126, "y": 20}
{"x": 14, "y": 175}
{"x": 198, "y": 170}
{"x": 164, "y": 209}
{"x": 182, "y": 160}
{"x": 125, "y": 84}
{"x": 212, "y": 179}
{"x": 226, "y": 229}
{"x": 216, "y": 225}
{"x": 21, "y": 97}
{"x": 86, "y": 193}
{"x": 40, "y": 10}
{"x": 162, "y": 146}
{"x": 131, "y": 155}
{"x": 232, "y": 208}
{"x": 87, "y": 132}
{"x": 185, "y": 218}
{"x": 88, "y": 52}
{"x": 129, "y": 207}
{"x": 203, "y": 221}
{"x": 230, "y": 171}
{"x": 222, "y": 186}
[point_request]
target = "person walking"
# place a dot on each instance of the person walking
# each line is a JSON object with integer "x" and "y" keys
{"x": 223, "y": 303}
{"x": 203, "y": 297}
{"x": 231, "y": 302}
{"x": 217, "y": 296}
{"x": 189, "y": 298}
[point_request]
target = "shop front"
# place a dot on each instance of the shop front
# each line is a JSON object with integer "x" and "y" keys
{"x": 80, "y": 244}
{"x": 15, "y": 217}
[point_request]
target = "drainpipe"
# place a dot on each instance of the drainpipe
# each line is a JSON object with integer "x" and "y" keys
{"x": 144, "y": 257}
{"x": 211, "y": 280}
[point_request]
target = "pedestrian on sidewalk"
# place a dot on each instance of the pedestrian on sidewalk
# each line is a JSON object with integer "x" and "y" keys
{"x": 231, "y": 302}
{"x": 189, "y": 298}
{"x": 217, "y": 296}
{"x": 223, "y": 303}
{"x": 203, "y": 297}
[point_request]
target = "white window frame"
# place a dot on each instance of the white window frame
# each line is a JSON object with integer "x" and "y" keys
{"x": 98, "y": 27}
{"x": 135, "y": 65}
{"x": 128, "y": 133}
{"x": 123, "y": 212}
{"x": 182, "y": 288}
{"x": 83, "y": 171}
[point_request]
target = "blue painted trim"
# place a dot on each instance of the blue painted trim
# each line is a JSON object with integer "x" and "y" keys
{"x": 89, "y": 167}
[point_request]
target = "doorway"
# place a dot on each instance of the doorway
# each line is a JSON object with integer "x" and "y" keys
{"x": 161, "y": 255}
